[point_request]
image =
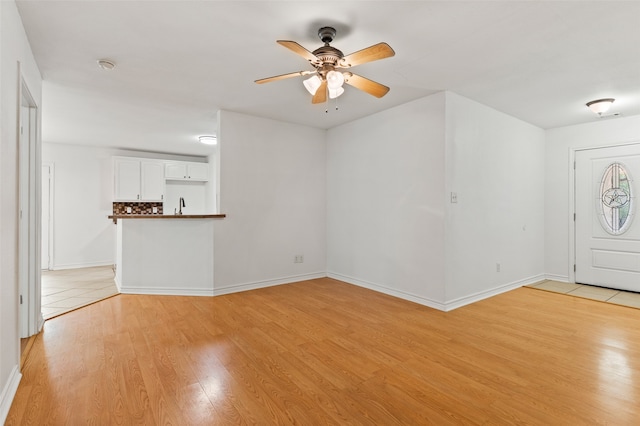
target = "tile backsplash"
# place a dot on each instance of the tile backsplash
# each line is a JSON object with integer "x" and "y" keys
{"x": 120, "y": 208}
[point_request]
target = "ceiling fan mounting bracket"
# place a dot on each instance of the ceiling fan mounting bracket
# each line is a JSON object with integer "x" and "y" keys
{"x": 327, "y": 34}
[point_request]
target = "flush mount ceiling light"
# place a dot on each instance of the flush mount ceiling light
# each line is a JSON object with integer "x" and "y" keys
{"x": 329, "y": 63}
{"x": 106, "y": 64}
{"x": 600, "y": 106}
{"x": 208, "y": 140}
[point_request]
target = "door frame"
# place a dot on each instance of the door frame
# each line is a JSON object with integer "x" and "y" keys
{"x": 29, "y": 206}
{"x": 50, "y": 234}
{"x": 572, "y": 200}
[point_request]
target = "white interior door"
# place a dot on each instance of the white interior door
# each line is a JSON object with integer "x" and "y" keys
{"x": 607, "y": 181}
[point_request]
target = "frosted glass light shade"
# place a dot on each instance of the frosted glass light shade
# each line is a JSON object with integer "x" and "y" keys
{"x": 600, "y": 106}
{"x": 312, "y": 84}
{"x": 334, "y": 80}
{"x": 334, "y": 93}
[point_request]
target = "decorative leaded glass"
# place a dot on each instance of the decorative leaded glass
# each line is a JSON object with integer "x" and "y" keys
{"x": 615, "y": 202}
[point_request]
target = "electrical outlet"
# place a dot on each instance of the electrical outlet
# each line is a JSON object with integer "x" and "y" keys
{"x": 298, "y": 258}
{"x": 454, "y": 197}
{"x": 497, "y": 267}
{"x": 128, "y": 209}
{"x": 154, "y": 210}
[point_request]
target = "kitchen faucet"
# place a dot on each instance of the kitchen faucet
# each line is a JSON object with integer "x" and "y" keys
{"x": 181, "y": 204}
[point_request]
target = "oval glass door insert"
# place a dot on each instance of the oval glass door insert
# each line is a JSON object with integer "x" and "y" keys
{"x": 615, "y": 203}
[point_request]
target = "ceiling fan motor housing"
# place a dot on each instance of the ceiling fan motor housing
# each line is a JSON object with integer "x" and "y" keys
{"x": 328, "y": 55}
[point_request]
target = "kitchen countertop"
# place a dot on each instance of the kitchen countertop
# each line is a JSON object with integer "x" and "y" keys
{"x": 115, "y": 217}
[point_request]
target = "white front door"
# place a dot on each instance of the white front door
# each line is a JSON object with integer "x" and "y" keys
{"x": 607, "y": 181}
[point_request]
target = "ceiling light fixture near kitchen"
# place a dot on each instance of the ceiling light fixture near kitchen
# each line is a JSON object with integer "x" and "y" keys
{"x": 600, "y": 106}
{"x": 208, "y": 140}
{"x": 106, "y": 64}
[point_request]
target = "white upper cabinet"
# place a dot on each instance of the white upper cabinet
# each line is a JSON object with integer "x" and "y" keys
{"x": 198, "y": 171}
{"x": 126, "y": 173}
{"x": 137, "y": 179}
{"x": 176, "y": 171}
{"x": 181, "y": 170}
{"x": 152, "y": 180}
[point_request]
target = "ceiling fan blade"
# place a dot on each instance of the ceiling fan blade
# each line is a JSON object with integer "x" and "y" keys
{"x": 321, "y": 94}
{"x": 371, "y": 87}
{"x": 369, "y": 54}
{"x": 296, "y": 48}
{"x": 283, "y": 76}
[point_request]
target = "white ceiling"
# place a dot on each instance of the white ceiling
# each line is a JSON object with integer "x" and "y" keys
{"x": 179, "y": 62}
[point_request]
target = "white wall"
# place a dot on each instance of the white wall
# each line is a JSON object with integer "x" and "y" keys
{"x": 391, "y": 225}
{"x": 83, "y": 196}
{"x": 385, "y": 206}
{"x": 194, "y": 194}
{"x": 559, "y": 145}
{"x": 14, "y": 48}
{"x": 495, "y": 164}
{"x": 272, "y": 180}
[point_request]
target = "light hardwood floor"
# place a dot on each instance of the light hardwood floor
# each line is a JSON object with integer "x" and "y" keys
{"x": 325, "y": 352}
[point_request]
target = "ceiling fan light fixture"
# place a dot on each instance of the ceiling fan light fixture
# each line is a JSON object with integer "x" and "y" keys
{"x": 208, "y": 140}
{"x": 600, "y": 106}
{"x": 334, "y": 93}
{"x": 312, "y": 84}
{"x": 335, "y": 80}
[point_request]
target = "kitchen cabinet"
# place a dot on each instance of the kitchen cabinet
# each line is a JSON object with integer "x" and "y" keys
{"x": 138, "y": 179}
{"x": 182, "y": 170}
{"x": 151, "y": 180}
{"x": 126, "y": 173}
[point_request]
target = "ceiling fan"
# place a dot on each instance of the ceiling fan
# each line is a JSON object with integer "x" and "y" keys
{"x": 329, "y": 63}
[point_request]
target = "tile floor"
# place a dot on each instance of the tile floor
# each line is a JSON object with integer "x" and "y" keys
{"x": 618, "y": 297}
{"x": 69, "y": 289}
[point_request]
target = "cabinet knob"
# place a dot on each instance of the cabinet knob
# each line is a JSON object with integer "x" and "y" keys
{"x": 138, "y": 196}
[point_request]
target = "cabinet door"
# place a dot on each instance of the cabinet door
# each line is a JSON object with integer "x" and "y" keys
{"x": 127, "y": 180}
{"x": 198, "y": 171}
{"x": 176, "y": 171}
{"x": 152, "y": 181}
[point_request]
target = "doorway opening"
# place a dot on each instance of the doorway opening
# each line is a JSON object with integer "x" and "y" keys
{"x": 30, "y": 317}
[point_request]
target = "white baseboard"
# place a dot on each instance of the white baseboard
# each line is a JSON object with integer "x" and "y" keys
{"x": 216, "y": 291}
{"x": 446, "y": 306}
{"x": 236, "y": 288}
{"x": 476, "y": 297}
{"x": 81, "y": 265}
{"x": 9, "y": 392}
{"x": 553, "y": 277}
{"x": 390, "y": 291}
{"x": 165, "y": 291}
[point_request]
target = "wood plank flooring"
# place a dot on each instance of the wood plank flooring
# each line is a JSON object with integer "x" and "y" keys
{"x": 325, "y": 352}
